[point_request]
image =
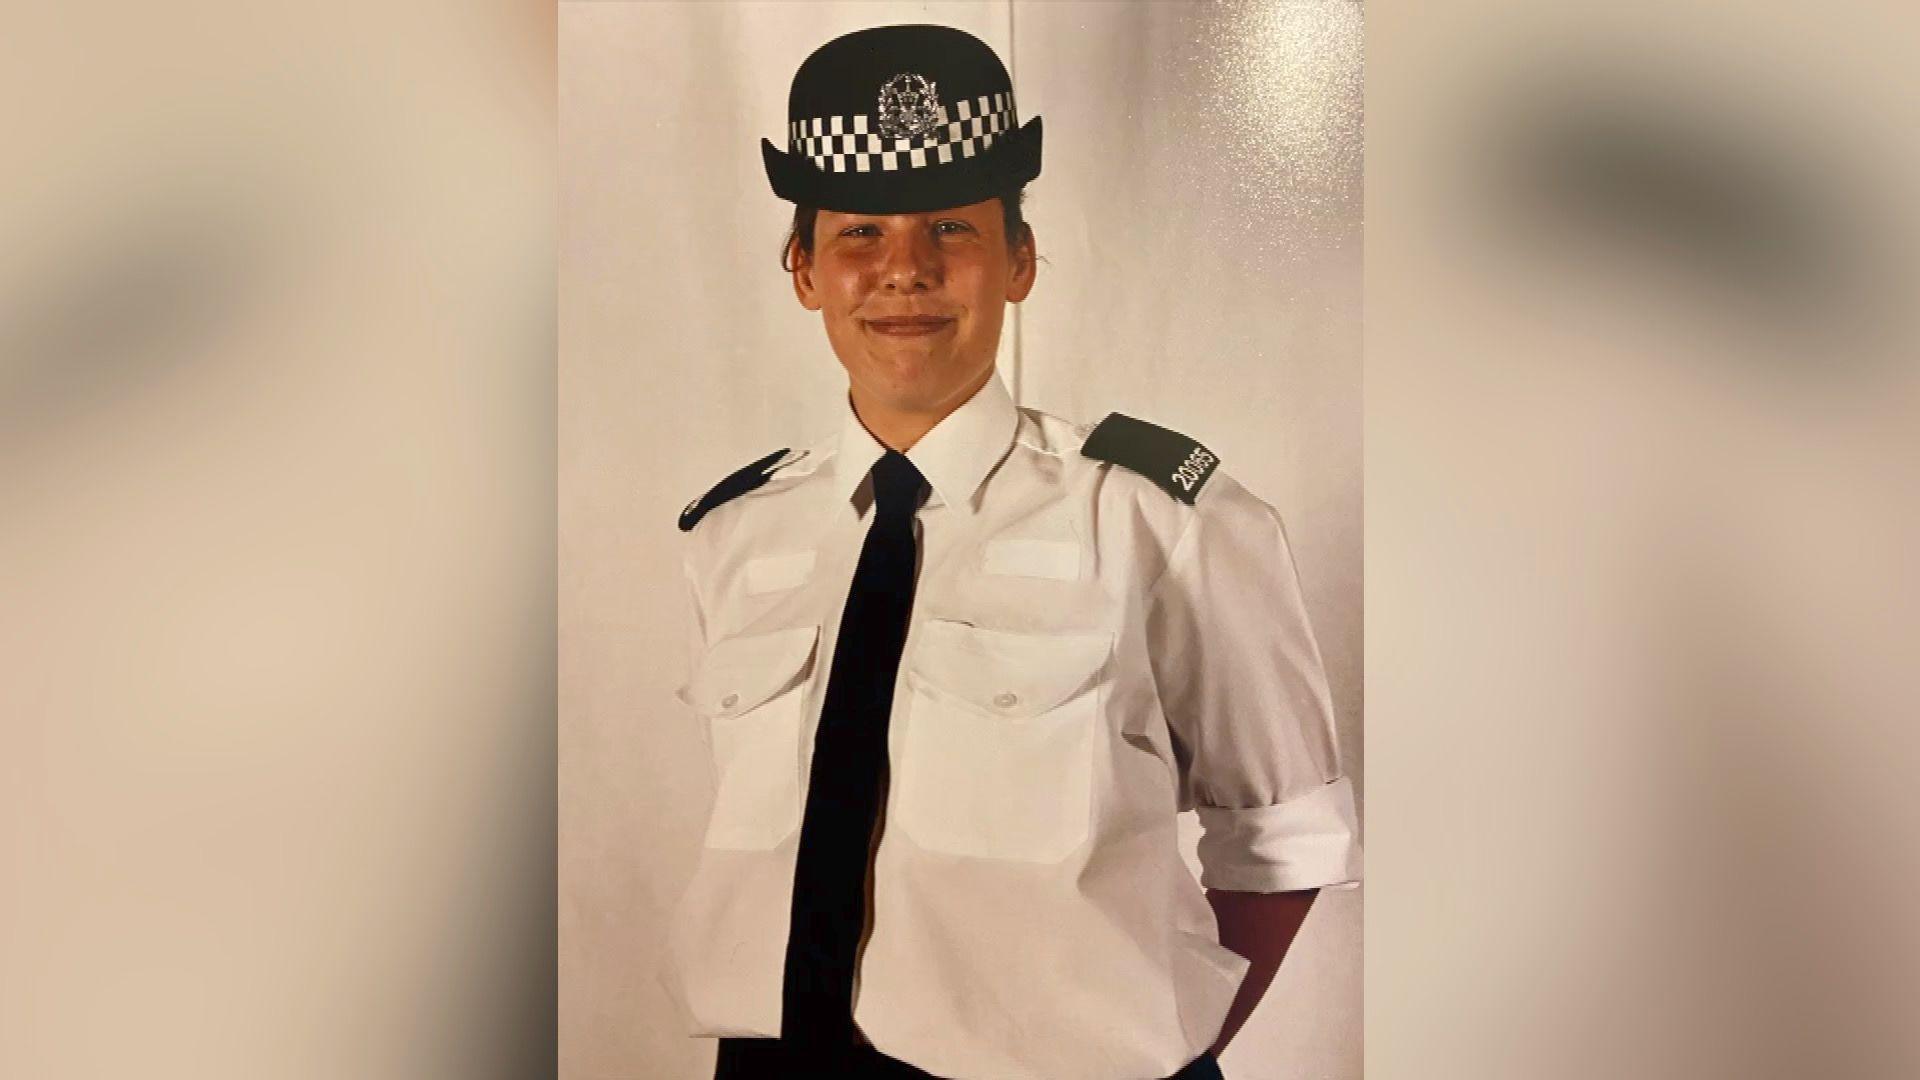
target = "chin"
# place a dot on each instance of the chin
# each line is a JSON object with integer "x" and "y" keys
{"x": 906, "y": 369}
{"x": 911, "y": 379}
{"x": 915, "y": 391}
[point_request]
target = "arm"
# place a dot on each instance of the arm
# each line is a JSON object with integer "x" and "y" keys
{"x": 1251, "y": 715}
{"x": 1260, "y": 927}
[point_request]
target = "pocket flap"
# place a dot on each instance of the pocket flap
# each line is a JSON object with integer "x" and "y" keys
{"x": 741, "y": 673}
{"x": 1004, "y": 672}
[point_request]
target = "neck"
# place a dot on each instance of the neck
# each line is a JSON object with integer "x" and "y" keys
{"x": 898, "y": 429}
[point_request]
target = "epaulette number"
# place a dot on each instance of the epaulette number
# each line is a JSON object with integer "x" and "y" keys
{"x": 1190, "y": 472}
{"x": 1174, "y": 463}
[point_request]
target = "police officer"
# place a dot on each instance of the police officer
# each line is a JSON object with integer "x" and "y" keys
{"x": 961, "y": 663}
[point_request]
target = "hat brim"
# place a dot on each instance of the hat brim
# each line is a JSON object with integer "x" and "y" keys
{"x": 1012, "y": 161}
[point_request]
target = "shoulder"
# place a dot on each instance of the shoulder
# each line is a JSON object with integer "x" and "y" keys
{"x": 1175, "y": 463}
{"x": 750, "y": 477}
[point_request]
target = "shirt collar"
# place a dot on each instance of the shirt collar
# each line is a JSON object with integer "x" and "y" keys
{"x": 955, "y": 456}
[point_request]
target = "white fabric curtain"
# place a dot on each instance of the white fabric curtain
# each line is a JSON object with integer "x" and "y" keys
{"x": 1198, "y": 212}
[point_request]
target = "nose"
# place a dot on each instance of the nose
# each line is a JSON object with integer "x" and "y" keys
{"x": 912, "y": 261}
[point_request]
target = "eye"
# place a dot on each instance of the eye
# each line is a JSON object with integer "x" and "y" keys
{"x": 949, "y": 226}
{"x": 859, "y": 230}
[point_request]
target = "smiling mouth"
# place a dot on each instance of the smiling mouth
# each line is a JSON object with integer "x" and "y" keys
{"x": 909, "y": 326}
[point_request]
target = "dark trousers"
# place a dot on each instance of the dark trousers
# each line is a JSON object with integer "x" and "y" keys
{"x": 773, "y": 1059}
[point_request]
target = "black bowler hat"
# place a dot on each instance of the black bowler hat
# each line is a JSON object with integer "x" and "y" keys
{"x": 899, "y": 119}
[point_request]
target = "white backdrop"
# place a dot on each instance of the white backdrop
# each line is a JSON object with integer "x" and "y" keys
{"x": 1198, "y": 214}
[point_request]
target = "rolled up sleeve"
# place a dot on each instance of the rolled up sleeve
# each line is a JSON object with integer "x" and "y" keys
{"x": 1245, "y": 695}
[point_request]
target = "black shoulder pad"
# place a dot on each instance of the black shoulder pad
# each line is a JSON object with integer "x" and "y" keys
{"x": 1173, "y": 461}
{"x": 737, "y": 483}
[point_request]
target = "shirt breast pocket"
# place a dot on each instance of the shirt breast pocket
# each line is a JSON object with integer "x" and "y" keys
{"x": 751, "y": 693}
{"x": 998, "y": 755}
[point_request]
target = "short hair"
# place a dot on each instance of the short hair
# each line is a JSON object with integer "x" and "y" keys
{"x": 804, "y": 217}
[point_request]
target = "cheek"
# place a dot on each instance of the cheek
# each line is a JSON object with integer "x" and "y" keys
{"x": 983, "y": 292}
{"x": 845, "y": 286}
{"x": 987, "y": 275}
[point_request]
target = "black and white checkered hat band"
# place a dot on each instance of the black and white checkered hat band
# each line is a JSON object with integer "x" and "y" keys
{"x": 852, "y": 143}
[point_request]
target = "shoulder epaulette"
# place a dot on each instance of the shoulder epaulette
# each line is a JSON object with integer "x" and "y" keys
{"x": 1176, "y": 463}
{"x": 737, "y": 483}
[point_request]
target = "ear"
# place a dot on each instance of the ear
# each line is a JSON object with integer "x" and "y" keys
{"x": 1025, "y": 268}
{"x": 803, "y": 286}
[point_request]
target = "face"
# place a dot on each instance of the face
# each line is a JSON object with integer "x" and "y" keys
{"x": 913, "y": 303}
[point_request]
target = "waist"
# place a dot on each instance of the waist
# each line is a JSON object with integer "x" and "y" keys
{"x": 758, "y": 1058}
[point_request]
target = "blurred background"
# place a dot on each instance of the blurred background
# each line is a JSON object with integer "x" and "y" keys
{"x": 277, "y": 519}
{"x": 1642, "y": 410}
{"x": 1198, "y": 216}
{"x": 276, "y": 541}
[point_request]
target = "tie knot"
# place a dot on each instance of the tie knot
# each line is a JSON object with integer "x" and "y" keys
{"x": 897, "y": 485}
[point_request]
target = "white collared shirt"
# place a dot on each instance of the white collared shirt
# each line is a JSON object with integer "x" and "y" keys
{"x": 1086, "y": 657}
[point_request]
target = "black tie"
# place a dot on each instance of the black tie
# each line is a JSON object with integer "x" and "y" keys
{"x": 848, "y": 778}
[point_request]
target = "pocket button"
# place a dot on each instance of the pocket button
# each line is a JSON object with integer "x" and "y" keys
{"x": 730, "y": 701}
{"x": 1006, "y": 699}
